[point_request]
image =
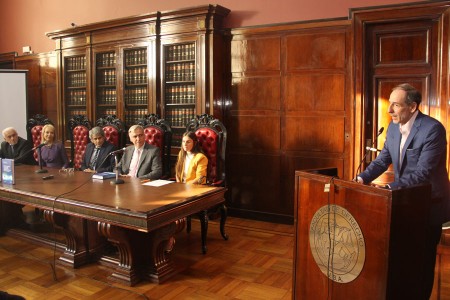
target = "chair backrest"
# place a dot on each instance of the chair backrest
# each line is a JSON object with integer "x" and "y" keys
{"x": 114, "y": 129}
{"x": 79, "y": 127}
{"x": 212, "y": 137}
{"x": 158, "y": 133}
{"x": 34, "y": 130}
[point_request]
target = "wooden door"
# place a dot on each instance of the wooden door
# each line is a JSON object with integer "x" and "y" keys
{"x": 398, "y": 45}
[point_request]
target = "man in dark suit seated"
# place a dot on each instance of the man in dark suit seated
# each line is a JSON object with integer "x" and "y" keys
{"x": 17, "y": 148}
{"x": 140, "y": 159}
{"x": 96, "y": 158}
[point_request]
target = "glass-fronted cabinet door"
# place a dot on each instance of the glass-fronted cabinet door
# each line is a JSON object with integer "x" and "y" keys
{"x": 105, "y": 84}
{"x": 179, "y": 86}
{"x": 135, "y": 84}
{"x": 75, "y": 85}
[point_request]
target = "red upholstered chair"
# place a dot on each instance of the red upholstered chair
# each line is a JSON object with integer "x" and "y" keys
{"x": 114, "y": 129}
{"x": 158, "y": 133}
{"x": 212, "y": 137}
{"x": 34, "y": 130}
{"x": 79, "y": 127}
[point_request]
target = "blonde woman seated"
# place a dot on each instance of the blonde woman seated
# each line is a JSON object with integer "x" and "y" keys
{"x": 192, "y": 163}
{"x": 53, "y": 154}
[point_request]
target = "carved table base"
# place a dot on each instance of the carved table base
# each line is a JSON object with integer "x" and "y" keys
{"x": 142, "y": 255}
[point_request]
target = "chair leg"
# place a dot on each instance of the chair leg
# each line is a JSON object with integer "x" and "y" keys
{"x": 188, "y": 224}
{"x": 223, "y": 219}
{"x": 203, "y": 215}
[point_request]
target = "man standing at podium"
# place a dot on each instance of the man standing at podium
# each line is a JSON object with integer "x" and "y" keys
{"x": 416, "y": 146}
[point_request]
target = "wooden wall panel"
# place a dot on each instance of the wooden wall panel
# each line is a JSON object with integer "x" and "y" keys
{"x": 41, "y": 80}
{"x": 290, "y": 92}
{"x": 316, "y": 50}
{"x": 389, "y": 44}
{"x": 263, "y": 93}
{"x": 254, "y": 183}
{"x": 256, "y": 133}
{"x": 323, "y": 92}
{"x": 314, "y": 134}
{"x": 260, "y": 54}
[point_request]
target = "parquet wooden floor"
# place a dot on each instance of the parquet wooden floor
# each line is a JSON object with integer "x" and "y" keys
{"x": 255, "y": 263}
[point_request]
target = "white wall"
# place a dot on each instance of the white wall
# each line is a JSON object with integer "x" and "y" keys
{"x": 13, "y": 101}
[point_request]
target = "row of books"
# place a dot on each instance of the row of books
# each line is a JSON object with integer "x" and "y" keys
{"x": 133, "y": 116}
{"x": 136, "y": 95}
{"x": 76, "y": 79}
{"x": 7, "y": 170}
{"x": 179, "y": 117}
{"x": 107, "y": 96}
{"x": 76, "y": 97}
{"x": 104, "y": 112}
{"x": 180, "y": 52}
{"x": 106, "y": 77}
{"x": 180, "y": 94}
{"x": 75, "y": 63}
{"x": 136, "y": 75}
{"x": 106, "y": 59}
{"x": 180, "y": 72}
{"x": 136, "y": 57}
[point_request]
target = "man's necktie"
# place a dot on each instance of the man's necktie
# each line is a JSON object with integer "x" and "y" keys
{"x": 134, "y": 165}
{"x": 94, "y": 158}
{"x": 12, "y": 150}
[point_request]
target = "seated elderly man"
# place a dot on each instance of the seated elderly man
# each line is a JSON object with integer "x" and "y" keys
{"x": 96, "y": 158}
{"x": 140, "y": 160}
{"x": 17, "y": 148}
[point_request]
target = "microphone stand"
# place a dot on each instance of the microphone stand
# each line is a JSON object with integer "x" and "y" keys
{"x": 40, "y": 163}
{"x": 368, "y": 151}
{"x": 117, "y": 180}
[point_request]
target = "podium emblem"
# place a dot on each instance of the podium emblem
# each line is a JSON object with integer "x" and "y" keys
{"x": 337, "y": 243}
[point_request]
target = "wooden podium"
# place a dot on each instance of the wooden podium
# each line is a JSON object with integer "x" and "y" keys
{"x": 355, "y": 241}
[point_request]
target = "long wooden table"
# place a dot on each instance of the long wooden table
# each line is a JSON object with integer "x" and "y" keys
{"x": 140, "y": 220}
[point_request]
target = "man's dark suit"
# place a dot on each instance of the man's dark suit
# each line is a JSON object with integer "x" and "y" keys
{"x": 423, "y": 161}
{"x": 105, "y": 149}
{"x": 150, "y": 165}
{"x": 22, "y": 150}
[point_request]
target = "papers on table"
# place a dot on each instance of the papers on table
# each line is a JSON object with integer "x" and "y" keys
{"x": 159, "y": 182}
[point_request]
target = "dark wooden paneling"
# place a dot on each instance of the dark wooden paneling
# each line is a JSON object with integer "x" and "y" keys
{"x": 259, "y": 55}
{"x": 255, "y": 132}
{"x": 314, "y": 133}
{"x": 403, "y": 47}
{"x": 316, "y": 50}
{"x": 323, "y": 92}
{"x": 263, "y": 93}
{"x": 253, "y": 186}
{"x": 289, "y": 110}
{"x": 41, "y": 84}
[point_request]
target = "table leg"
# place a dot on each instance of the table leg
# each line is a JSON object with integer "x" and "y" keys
{"x": 142, "y": 255}
{"x": 83, "y": 243}
{"x": 159, "y": 266}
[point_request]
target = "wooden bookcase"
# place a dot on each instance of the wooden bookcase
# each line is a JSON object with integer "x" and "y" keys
{"x": 163, "y": 63}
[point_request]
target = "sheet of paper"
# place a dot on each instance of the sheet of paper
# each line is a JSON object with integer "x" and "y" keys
{"x": 158, "y": 182}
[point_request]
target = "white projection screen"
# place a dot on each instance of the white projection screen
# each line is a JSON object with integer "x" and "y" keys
{"x": 13, "y": 101}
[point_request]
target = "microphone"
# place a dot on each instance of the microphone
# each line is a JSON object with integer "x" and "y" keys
{"x": 40, "y": 146}
{"x": 368, "y": 150}
{"x": 117, "y": 151}
{"x": 29, "y": 151}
